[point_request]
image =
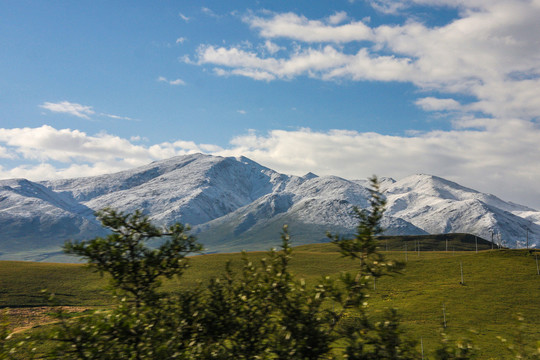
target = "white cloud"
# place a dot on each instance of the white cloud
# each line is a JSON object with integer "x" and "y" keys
{"x": 117, "y": 117}
{"x": 180, "y": 40}
{"x": 326, "y": 63}
{"x": 70, "y": 108}
{"x": 271, "y": 47}
{"x": 337, "y": 18}
{"x": 209, "y": 12}
{"x": 435, "y": 104}
{"x": 243, "y": 112}
{"x": 138, "y": 138}
{"x": 388, "y": 6}
{"x": 171, "y": 82}
{"x": 78, "y": 110}
{"x": 5, "y": 154}
{"x": 44, "y": 171}
{"x": 254, "y": 74}
{"x": 84, "y": 154}
{"x": 177, "y": 82}
{"x": 292, "y": 26}
{"x": 47, "y": 143}
{"x": 184, "y": 17}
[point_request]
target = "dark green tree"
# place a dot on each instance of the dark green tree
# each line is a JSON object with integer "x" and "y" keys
{"x": 366, "y": 339}
{"x": 138, "y": 327}
{"x": 135, "y": 268}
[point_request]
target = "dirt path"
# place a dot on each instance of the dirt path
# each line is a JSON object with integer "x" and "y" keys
{"x": 21, "y": 319}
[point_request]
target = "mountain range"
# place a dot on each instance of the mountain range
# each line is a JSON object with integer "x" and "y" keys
{"x": 234, "y": 203}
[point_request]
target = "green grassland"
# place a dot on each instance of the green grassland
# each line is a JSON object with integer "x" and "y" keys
{"x": 498, "y": 285}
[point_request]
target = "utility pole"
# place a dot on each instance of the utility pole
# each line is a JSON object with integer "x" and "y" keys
{"x": 444, "y": 315}
{"x": 491, "y": 240}
{"x": 406, "y": 252}
{"x": 476, "y": 242}
{"x": 527, "y": 238}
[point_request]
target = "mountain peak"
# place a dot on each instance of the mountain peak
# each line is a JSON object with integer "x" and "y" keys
{"x": 309, "y": 176}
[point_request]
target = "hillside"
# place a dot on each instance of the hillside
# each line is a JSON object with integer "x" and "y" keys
{"x": 430, "y": 279}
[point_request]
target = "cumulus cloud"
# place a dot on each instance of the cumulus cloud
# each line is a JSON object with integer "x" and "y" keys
{"x": 293, "y": 26}
{"x": 91, "y": 154}
{"x": 180, "y": 40}
{"x": 325, "y": 63}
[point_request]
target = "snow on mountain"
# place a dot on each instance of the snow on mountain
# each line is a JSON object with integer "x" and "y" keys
{"x": 32, "y": 215}
{"x": 310, "y": 205}
{"x": 531, "y": 215}
{"x": 191, "y": 189}
{"x": 235, "y": 203}
{"x": 437, "y": 206}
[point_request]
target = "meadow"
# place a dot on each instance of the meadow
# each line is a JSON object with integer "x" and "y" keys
{"x": 499, "y": 286}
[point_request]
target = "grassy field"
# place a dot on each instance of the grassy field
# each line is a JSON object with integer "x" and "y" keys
{"x": 498, "y": 285}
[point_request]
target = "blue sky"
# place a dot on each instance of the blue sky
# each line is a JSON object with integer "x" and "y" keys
{"x": 349, "y": 88}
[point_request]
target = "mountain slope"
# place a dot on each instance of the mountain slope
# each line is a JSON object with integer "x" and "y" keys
{"x": 192, "y": 189}
{"x": 33, "y": 216}
{"x": 437, "y": 206}
{"x": 311, "y": 206}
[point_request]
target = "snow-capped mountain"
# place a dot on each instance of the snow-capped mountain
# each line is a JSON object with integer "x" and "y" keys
{"x": 235, "y": 203}
{"x": 440, "y": 206}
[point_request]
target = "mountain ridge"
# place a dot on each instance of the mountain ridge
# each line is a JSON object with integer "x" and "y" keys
{"x": 234, "y": 203}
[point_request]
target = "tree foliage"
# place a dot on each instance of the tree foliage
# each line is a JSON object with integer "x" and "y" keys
{"x": 264, "y": 312}
{"x": 4, "y": 336}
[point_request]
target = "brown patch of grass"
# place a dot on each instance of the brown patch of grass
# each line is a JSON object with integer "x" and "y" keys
{"x": 24, "y": 318}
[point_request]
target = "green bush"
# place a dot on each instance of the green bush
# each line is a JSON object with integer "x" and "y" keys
{"x": 263, "y": 312}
